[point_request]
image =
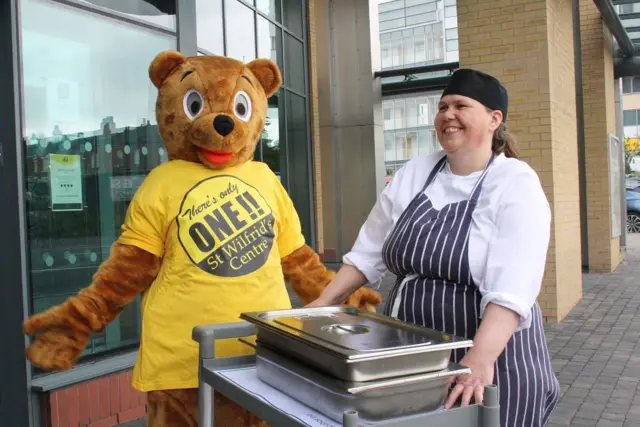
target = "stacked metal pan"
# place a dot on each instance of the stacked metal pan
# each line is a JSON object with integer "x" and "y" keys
{"x": 337, "y": 358}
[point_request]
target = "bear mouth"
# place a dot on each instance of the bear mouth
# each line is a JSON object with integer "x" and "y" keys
{"x": 216, "y": 157}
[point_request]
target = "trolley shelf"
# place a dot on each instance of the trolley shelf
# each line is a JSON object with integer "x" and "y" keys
{"x": 218, "y": 374}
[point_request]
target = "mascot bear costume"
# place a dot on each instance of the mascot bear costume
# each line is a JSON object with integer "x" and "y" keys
{"x": 209, "y": 234}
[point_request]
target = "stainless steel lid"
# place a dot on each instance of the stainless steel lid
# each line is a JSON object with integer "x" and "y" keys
{"x": 353, "y": 334}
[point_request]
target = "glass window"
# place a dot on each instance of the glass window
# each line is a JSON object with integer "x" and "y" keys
{"x": 294, "y": 64}
{"x": 399, "y": 115}
{"x": 389, "y": 147}
{"x": 423, "y": 143}
{"x": 412, "y": 113}
{"x": 421, "y": 54}
{"x": 271, "y": 8}
{"x": 452, "y": 33}
{"x": 209, "y": 26}
{"x": 401, "y": 146}
{"x": 452, "y": 45}
{"x": 409, "y": 51}
{"x": 391, "y": 15}
{"x": 388, "y": 25}
{"x": 630, "y": 118}
{"x": 298, "y": 168}
{"x": 92, "y": 138}
{"x": 626, "y": 85}
{"x": 241, "y": 45}
{"x": 392, "y": 5}
{"x": 292, "y": 16}
{"x": 268, "y": 149}
{"x": 387, "y": 108}
{"x": 160, "y": 12}
{"x": 449, "y": 2}
{"x": 411, "y": 145}
{"x": 385, "y": 55}
{"x": 422, "y": 18}
{"x": 450, "y": 11}
{"x": 430, "y": 5}
{"x": 635, "y": 84}
{"x": 422, "y": 8}
{"x": 396, "y": 52}
{"x": 269, "y": 41}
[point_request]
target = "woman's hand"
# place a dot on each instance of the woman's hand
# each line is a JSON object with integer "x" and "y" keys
{"x": 472, "y": 384}
{"x": 496, "y": 329}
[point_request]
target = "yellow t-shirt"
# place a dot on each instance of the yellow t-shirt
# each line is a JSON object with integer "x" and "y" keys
{"x": 222, "y": 235}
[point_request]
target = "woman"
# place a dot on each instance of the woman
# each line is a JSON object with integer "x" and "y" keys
{"x": 466, "y": 232}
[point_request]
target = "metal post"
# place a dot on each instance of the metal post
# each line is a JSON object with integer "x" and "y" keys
{"x": 490, "y": 407}
{"x": 350, "y": 418}
{"x": 206, "y": 340}
{"x": 620, "y": 132}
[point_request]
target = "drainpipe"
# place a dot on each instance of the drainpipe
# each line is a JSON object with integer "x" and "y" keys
{"x": 582, "y": 176}
{"x": 613, "y": 23}
{"x": 626, "y": 67}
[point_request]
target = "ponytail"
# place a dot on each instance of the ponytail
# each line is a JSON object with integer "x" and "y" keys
{"x": 504, "y": 142}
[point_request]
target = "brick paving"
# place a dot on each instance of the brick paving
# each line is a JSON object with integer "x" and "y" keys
{"x": 596, "y": 350}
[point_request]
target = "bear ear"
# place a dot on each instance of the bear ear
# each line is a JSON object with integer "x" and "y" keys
{"x": 267, "y": 73}
{"x": 163, "y": 64}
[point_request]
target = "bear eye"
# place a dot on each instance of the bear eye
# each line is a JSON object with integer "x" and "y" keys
{"x": 242, "y": 106}
{"x": 193, "y": 103}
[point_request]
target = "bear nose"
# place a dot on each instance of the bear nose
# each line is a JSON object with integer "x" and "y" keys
{"x": 223, "y": 124}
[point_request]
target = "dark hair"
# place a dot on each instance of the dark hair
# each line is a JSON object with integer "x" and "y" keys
{"x": 504, "y": 142}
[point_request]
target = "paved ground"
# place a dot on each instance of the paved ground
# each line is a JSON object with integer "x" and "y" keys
{"x": 596, "y": 350}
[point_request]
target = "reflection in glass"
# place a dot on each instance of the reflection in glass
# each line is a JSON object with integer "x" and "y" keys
{"x": 268, "y": 150}
{"x": 295, "y": 66}
{"x": 82, "y": 104}
{"x": 240, "y": 28}
{"x": 209, "y": 26}
{"x": 158, "y": 12}
{"x": 299, "y": 183}
{"x": 271, "y": 8}
{"x": 269, "y": 41}
{"x": 292, "y": 13}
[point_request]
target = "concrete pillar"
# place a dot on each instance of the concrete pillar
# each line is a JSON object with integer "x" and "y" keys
{"x": 349, "y": 118}
{"x": 528, "y": 45}
{"x": 600, "y": 122}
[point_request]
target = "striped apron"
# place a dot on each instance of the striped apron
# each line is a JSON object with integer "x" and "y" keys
{"x": 428, "y": 252}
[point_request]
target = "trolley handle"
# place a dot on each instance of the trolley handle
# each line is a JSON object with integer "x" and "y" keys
{"x": 206, "y": 335}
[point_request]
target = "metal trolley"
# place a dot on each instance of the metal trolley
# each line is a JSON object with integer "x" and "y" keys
{"x": 212, "y": 377}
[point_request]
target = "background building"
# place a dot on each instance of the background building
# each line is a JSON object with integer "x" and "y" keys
{"x": 413, "y": 33}
{"x": 361, "y": 84}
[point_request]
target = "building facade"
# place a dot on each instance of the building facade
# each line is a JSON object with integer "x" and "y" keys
{"x": 78, "y": 109}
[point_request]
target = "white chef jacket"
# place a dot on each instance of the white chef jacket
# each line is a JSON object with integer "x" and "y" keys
{"x": 509, "y": 234}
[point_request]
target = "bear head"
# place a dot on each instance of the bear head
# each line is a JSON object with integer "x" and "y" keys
{"x": 212, "y": 109}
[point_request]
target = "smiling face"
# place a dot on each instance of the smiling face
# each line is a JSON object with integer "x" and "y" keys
{"x": 464, "y": 124}
{"x": 212, "y": 109}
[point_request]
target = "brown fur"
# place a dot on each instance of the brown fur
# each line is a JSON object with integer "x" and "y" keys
{"x": 63, "y": 331}
{"x": 308, "y": 277}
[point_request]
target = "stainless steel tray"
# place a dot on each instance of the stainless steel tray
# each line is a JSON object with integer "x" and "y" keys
{"x": 374, "y": 400}
{"x": 354, "y": 345}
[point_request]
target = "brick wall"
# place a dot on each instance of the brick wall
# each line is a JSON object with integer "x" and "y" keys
{"x": 600, "y": 121}
{"x": 104, "y": 402}
{"x": 528, "y": 45}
